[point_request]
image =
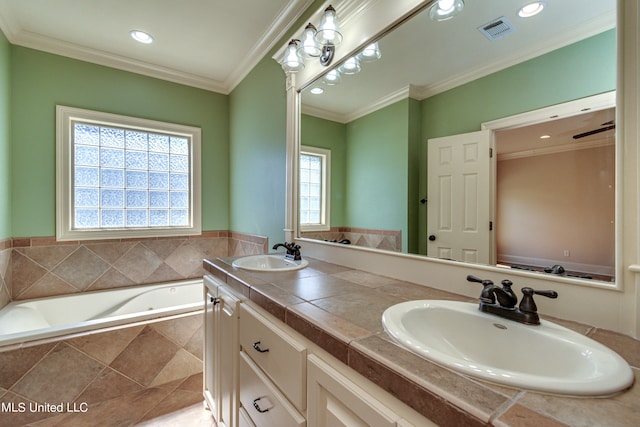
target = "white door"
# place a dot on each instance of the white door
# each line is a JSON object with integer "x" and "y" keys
{"x": 459, "y": 203}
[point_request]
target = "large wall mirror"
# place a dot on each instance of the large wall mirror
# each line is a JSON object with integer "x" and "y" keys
{"x": 487, "y": 138}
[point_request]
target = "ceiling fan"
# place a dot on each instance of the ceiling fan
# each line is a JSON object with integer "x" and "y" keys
{"x": 604, "y": 127}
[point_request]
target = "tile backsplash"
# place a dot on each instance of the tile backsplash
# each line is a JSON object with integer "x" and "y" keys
{"x": 390, "y": 240}
{"x": 5, "y": 272}
{"x": 41, "y": 267}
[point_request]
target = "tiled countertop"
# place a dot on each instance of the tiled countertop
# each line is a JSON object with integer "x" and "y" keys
{"x": 340, "y": 309}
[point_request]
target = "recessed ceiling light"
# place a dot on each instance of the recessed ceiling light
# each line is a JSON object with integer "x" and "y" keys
{"x": 531, "y": 9}
{"x": 141, "y": 36}
{"x": 317, "y": 90}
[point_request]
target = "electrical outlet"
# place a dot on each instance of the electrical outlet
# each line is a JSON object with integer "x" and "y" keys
{"x": 566, "y": 252}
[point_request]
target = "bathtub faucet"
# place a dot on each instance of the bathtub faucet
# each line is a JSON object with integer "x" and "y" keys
{"x": 293, "y": 250}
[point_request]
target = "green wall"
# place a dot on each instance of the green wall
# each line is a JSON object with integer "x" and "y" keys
{"x": 575, "y": 71}
{"x": 5, "y": 140}
{"x": 258, "y": 152}
{"x": 377, "y": 165}
{"x": 257, "y": 174}
{"x": 316, "y": 132}
{"x": 40, "y": 81}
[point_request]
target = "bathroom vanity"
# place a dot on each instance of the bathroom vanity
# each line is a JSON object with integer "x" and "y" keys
{"x": 307, "y": 347}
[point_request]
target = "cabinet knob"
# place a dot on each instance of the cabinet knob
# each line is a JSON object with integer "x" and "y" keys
{"x": 214, "y": 300}
{"x": 257, "y": 406}
{"x": 256, "y": 347}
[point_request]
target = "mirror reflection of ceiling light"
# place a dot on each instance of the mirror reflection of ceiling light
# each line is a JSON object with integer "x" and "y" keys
{"x": 350, "y": 66}
{"x": 317, "y": 90}
{"x": 333, "y": 77}
{"x": 370, "y": 53}
{"x": 445, "y": 9}
{"x": 141, "y": 36}
{"x": 531, "y": 9}
{"x": 545, "y": 136}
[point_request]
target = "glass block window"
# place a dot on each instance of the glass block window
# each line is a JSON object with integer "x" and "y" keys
{"x": 314, "y": 188}
{"x": 125, "y": 177}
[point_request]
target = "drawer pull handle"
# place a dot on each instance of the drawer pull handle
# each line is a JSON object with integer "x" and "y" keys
{"x": 257, "y": 406}
{"x": 256, "y": 347}
{"x": 214, "y": 300}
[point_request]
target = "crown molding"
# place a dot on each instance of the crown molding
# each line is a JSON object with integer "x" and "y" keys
{"x": 282, "y": 23}
{"x": 575, "y": 146}
{"x": 595, "y": 26}
{"x": 268, "y": 40}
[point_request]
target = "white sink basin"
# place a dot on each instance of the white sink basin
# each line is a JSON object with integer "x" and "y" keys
{"x": 547, "y": 357}
{"x": 275, "y": 262}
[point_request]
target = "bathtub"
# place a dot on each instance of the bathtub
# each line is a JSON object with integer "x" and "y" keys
{"x": 24, "y": 322}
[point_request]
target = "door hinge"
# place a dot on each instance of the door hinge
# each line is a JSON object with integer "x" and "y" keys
{"x": 490, "y": 153}
{"x": 490, "y": 225}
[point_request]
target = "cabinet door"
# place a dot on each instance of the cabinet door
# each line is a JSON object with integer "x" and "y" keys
{"x": 228, "y": 349}
{"x": 335, "y": 401}
{"x": 210, "y": 387}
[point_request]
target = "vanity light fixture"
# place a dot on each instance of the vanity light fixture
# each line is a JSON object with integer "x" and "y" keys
{"x": 314, "y": 43}
{"x": 531, "y": 9}
{"x": 445, "y": 9}
{"x": 292, "y": 62}
{"x": 141, "y": 36}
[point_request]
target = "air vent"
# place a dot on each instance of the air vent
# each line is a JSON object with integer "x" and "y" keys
{"x": 496, "y": 29}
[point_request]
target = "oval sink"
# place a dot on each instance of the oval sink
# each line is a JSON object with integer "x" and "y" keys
{"x": 547, "y": 357}
{"x": 275, "y": 262}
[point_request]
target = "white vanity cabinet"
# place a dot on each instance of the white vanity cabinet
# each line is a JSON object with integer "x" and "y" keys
{"x": 273, "y": 372}
{"x": 221, "y": 352}
{"x": 261, "y": 373}
{"x": 336, "y": 401}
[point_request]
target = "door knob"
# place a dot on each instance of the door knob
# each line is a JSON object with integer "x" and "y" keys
{"x": 432, "y": 237}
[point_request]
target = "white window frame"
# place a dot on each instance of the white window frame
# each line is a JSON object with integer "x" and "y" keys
{"x": 325, "y": 193}
{"x": 65, "y": 230}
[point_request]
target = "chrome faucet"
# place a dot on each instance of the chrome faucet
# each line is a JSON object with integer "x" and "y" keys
{"x": 293, "y": 250}
{"x": 527, "y": 311}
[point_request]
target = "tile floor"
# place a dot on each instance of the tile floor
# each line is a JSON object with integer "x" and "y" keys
{"x": 191, "y": 416}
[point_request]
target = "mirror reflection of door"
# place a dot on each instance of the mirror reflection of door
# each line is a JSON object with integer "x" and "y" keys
{"x": 553, "y": 196}
{"x": 458, "y": 202}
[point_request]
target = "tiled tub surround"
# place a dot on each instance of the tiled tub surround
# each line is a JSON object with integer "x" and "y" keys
{"x": 5, "y": 272}
{"x": 41, "y": 267}
{"x": 390, "y": 240}
{"x": 324, "y": 302}
{"x": 115, "y": 377}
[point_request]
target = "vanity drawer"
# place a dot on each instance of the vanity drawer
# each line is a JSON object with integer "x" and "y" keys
{"x": 244, "y": 420}
{"x": 281, "y": 357}
{"x": 262, "y": 401}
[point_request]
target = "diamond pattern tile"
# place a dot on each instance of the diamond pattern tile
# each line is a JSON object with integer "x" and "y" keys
{"x": 92, "y": 267}
{"x": 77, "y": 370}
{"x": 51, "y": 268}
{"x": 138, "y": 263}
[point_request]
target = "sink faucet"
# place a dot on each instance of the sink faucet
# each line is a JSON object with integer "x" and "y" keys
{"x": 293, "y": 250}
{"x": 527, "y": 311}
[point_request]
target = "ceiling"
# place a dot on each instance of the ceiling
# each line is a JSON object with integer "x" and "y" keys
{"x": 559, "y": 135}
{"x": 422, "y": 57}
{"x": 211, "y": 44}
